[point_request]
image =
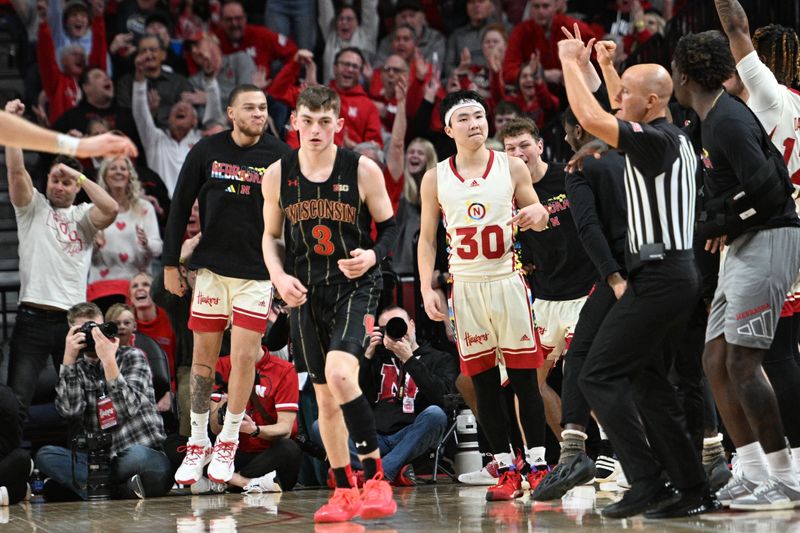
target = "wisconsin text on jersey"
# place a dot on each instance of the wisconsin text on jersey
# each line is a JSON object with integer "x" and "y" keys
{"x": 321, "y": 208}
{"x": 241, "y": 173}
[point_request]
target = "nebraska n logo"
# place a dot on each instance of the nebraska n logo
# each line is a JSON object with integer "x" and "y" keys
{"x": 759, "y": 326}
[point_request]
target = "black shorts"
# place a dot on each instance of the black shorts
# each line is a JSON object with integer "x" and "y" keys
{"x": 335, "y": 317}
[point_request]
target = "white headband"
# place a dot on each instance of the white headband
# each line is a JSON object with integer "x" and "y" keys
{"x": 460, "y": 105}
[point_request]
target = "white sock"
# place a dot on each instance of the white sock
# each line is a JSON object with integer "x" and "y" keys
{"x": 602, "y": 432}
{"x": 780, "y": 466}
{"x": 230, "y": 429}
{"x": 535, "y": 456}
{"x": 199, "y": 423}
{"x": 754, "y": 464}
{"x": 504, "y": 460}
{"x": 796, "y": 460}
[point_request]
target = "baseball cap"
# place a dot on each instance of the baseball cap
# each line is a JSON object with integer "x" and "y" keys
{"x": 406, "y": 5}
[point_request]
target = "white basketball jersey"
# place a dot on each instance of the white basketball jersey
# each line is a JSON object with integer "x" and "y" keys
{"x": 475, "y": 210}
{"x": 777, "y": 107}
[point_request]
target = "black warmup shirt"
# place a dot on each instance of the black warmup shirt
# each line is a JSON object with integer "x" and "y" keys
{"x": 325, "y": 221}
{"x": 563, "y": 271}
{"x": 226, "y": 180}
{"x": 660, "y": 185}
{"x": 733, "y": 153}
{"x": 597, "y": 203}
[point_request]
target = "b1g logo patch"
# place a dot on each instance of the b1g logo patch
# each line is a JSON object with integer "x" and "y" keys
{"x": 476, "y": 211}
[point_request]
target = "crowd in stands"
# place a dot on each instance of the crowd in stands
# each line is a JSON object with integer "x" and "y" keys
{"x": 161, "y": 74}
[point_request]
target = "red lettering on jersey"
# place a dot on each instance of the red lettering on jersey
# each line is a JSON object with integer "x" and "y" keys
{"x": 390, "y": 384}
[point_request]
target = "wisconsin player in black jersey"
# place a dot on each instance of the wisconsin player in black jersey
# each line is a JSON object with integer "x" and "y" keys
{"x": 328, "y": 198}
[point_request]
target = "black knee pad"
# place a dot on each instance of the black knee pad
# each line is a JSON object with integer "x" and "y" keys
{"x": 360, "y": 424}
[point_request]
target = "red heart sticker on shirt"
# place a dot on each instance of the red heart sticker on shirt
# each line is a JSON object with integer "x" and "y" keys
{"x": 120, "y": 225}
{"x": 123, "y": 257}
{"x": 104, "y": 273}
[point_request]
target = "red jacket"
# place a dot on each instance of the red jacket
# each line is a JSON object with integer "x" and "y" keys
{"x": 414, "y": 97}
{"x": 361, "y": 120}
{"x": 528, "y": 36}
{"x": 263, "y": 45}
{"x": 538, "y": 109}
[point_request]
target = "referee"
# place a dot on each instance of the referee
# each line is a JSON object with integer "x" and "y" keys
{"x": 628, "y": 354}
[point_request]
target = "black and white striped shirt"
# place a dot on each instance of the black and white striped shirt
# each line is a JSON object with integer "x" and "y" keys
{"x": 660, "y": 184}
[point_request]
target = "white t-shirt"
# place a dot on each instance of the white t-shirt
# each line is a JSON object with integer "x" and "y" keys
{"x": 55, "y": 251}
{"x": 777, "y": 107}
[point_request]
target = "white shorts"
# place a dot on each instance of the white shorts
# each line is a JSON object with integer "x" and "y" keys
{"x": 555, "y": 323}
{"x": 218, "y": 300}
{"x": 493, "y": 320}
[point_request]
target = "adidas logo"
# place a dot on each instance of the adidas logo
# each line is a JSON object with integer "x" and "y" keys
{"x": 474, "y": 183}
{"x": 525, "y": 338}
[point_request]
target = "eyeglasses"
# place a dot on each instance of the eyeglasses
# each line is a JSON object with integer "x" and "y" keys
{"x": 347, "y": 64}
{"x": 393, "y": 70}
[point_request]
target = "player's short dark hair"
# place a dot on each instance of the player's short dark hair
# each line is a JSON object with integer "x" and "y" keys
{"x": 241, "y": 89}
{"x": 457, "y": 97}
{"x": 705, "y": 58}
{"x": 71, "y": 162}
{"x": 780, "y": 48}
{"x": 319, "y": 98}
{"x": 84, "y": 77}
{"x": 83, "y": 310}
{"x": 518, "y": 126}
{"x": 146, "y": 36}
{"x": 569, "y": 117}
{"x": 352, "y": 50}
{"x": 504, "y": 107}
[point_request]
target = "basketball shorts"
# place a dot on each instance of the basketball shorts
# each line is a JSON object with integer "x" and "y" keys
{"x": 754, "y": 278}
{"x": 493, "y": 321}
{"x": 335, "y": 317}
{"x": 218, "y": 300}
{"x": 555, "y": 323}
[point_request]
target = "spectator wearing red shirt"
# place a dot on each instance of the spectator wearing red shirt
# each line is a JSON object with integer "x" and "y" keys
{"x": 266, "y": 449}
{"x": 151, "y": 319}
{"x": 532, "y": 95}
{"x": 262, "y": 45}
{"x": 541, "y": 32}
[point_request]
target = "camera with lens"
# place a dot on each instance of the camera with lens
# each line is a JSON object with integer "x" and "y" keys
{"x": 396, "y": 328}
{"x": 109, "y": 329}
{"x": 97, "y": 446}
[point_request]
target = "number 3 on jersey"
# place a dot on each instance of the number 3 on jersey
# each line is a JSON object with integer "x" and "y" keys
{"x": 469, "y": 247}
{"x": 324, "y": 245}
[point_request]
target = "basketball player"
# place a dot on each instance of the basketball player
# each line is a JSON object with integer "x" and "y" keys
{"x": 223, "y": 172}
{"x": 330, "y": 197}
{"x": 490, "y": 302}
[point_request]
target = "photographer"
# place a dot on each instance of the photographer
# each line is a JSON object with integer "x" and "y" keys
{"x": 406, "y": 383}
{"x": 109, "y": 389}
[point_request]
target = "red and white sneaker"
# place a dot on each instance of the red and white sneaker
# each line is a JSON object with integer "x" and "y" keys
{"x": 344, "y": 505}
{"x": 197, "y": 456}
{"x": 376, "y": 498}
{"x": 508, "y": 487}
{"x": 220, "y": 469}
{"x": 536, "y": 476}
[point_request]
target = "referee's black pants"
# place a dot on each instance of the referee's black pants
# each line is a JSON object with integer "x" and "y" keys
{"x": 630, "y": 354}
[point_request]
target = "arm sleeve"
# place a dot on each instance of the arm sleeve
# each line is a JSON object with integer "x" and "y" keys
{"x": 436, "y": 380}
{"x": 739, "y": 142}
{"x": 150, "y": 135}
{"x": 764, "y": 89}
{"x": 150, "y": 224}
{"x": 161, "y": 296}
{"x": 70, "y": 402}
{"x": 515, "y": 53}
{"x": 582, "y": 206}
{"x": 370, "y": 23}
{"x": 99, "y": 53}
{"x": 213, "y": 109}
{"x": 190, "y": 180}
{"x": 368, "y": 377}
{"x": 282, "y": 85}
{"x": 326, "y": 15}
{"x": 130, "y": 389}
{"x": 372, "y": 130}
{"x": 287, "y": 392}
{"x": 46, "y": 57}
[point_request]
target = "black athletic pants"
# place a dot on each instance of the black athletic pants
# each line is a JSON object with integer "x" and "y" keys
{"x": 629, "y": 354}
{"x": 283, "y": 456}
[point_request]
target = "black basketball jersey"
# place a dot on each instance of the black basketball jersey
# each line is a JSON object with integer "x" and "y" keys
{"x": 324, "y": 221}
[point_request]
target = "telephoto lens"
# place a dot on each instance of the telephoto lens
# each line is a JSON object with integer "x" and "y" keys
{"x": 396, "y": 328}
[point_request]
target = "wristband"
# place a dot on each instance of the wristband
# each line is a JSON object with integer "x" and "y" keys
{"x": 67, "y": 145}
{"x": 80, "y": 179}
{"x": 256, "y": 433}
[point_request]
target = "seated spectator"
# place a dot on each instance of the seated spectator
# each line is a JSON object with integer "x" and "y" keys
{"x": 15, "y": 462}
{"x": 430, "y": 42}
{"x": 481, "y": 15}
{"x": 166, "y": 148}
{"x": 267, "y": 460}
{"x": 78, "y": 23}
{"x": 406, "y": 383}
{"x": 262, "y": 45}
{"x": 343, "y": 27}
{"x": 361, "y": 120}
{"x": 167, "y": 86}
{"x": 532, "y": 95}
{"x": 138, "y": 466}
{"x": 152, "y": 320}
{"x": 128, "y": 245}
{"x": 53, "y": 263}
{"x": 540, "y": 33}
{"x": 229, "y": 71}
